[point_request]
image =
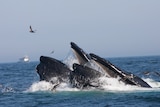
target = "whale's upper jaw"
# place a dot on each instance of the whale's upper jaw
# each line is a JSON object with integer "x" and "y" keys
{"x": 82, "y": 56}
{"x": 114, "y": 71}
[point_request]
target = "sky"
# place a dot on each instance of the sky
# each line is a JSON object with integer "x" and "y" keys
{"x": 108, "y": 28}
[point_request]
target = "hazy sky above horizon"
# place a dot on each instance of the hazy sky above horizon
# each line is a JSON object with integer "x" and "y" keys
{"x": 108, "y": 28}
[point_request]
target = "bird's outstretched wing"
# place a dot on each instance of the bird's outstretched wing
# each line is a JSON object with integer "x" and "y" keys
{"x": 30, "y": 28}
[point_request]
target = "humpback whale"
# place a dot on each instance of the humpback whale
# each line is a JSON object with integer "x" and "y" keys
{"x": 52, "y": 70}
{"x": 83, "y": 74}
{"x": 115, "y": 72}
{"x": 110, "y": 69}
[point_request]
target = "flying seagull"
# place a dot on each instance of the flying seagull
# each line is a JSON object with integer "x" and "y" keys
{"x": 52, "y": 52}
{"x": 32, "y": 31}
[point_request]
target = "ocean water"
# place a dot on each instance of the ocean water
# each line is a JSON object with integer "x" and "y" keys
{"x": 20, "y": 87}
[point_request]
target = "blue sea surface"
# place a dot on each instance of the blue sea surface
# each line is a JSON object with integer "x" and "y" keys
{"x": 20, "y": 87}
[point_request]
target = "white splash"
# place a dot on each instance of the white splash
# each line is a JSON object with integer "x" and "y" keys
{"x": 7, "y": 90}
{"x": 152, "y": 83}
{"x": 66, "y": 87}
{"x": 47, "y": 86}
{"x": 113, "y": 84}
{"x": 40, "y": 86}
{"x": 107, "y": 84}
{"x": 70, "y": 60}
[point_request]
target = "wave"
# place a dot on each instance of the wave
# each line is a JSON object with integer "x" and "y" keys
{"x": 6, "y": 89}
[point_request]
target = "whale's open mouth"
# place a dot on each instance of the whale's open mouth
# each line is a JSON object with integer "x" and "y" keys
{"x": 86, "y": 72}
